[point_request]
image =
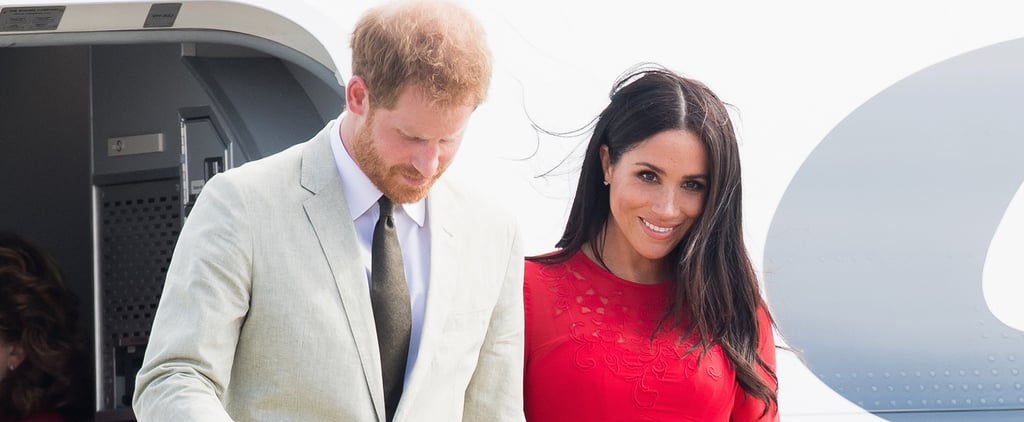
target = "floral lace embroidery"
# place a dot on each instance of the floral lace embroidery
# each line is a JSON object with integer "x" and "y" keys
{"x": 598, "y": 327}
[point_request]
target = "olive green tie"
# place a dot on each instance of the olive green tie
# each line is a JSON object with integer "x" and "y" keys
{"x": 392, "y": 313}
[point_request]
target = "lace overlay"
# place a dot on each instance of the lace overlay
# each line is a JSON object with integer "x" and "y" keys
{"x": 591, "y": 355}
{"x": 608, "y": 331}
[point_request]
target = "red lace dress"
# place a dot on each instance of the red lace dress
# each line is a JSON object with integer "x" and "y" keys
{"x": 589, "y": 356}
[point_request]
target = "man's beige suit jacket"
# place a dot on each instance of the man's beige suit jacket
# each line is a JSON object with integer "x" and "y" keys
{"x": 265, "y": 314}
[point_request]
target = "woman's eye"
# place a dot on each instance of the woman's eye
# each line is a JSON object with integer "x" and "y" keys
{"x": 648, "y": 176}
{"x": 693, "y": 185}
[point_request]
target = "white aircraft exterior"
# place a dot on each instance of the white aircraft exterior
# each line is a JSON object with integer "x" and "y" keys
{"x": 882, "y": 147}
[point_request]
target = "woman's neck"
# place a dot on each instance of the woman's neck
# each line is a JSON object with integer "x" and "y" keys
{"x": 626, "y": 264}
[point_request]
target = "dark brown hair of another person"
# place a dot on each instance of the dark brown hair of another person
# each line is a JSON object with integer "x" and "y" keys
{"x": 37, "y": 312}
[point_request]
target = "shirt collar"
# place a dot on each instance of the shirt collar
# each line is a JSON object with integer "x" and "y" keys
{"x": 360, "y": 193}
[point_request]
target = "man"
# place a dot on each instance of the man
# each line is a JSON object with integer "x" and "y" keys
{"x": 281, "y": 302}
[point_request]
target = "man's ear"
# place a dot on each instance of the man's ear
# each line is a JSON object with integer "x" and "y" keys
{"x": 357, "y": 96}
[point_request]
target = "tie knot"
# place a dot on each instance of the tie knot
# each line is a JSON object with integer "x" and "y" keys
{"x": 386, "y": 206}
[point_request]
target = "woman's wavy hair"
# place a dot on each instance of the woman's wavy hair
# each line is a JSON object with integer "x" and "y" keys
{"x": 716, "y": 290}
{"x": 38, "y": 313}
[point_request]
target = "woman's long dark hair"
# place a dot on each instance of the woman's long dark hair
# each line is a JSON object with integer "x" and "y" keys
{"x": 37, "y": 312}
{"x": 716, "y": 290}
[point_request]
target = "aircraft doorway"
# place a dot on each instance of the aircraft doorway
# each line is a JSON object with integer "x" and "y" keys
{"x": 104, "y": 145}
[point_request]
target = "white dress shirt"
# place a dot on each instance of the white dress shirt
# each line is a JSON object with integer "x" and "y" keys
{"x": 410, "y": 222}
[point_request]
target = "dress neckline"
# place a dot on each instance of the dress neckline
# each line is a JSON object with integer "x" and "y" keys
{"x": 582, "y": 259}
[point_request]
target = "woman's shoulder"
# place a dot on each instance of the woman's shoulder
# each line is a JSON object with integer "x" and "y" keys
{"x": 552, "y": 265}
{"x": 544, "y": 273}
{"x": 536, "y": 262}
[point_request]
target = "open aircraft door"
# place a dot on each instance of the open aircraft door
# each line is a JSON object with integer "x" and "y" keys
{"x": 114, "y": 115}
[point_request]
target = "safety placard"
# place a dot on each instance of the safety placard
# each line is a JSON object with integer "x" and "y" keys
{"x": 30, "y": 18}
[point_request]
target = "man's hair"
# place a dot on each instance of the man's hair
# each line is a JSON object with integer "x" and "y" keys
{"x": 435, "y": 46}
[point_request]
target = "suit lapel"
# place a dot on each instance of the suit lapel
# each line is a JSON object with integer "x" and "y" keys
{"x": 329, "y": 215}
{"x": 443, "y": 219}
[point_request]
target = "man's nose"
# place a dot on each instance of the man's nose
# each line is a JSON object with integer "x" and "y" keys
{"x": 427, "y": 159}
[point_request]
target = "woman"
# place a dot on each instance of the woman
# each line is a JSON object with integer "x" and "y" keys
{"x": 650, "y": 309}
{"x": 36, "y": 336}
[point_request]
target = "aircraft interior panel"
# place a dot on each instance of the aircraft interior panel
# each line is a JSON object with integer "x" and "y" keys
{"x": 44, "y": 162}
{"x": 105, "y": 146}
